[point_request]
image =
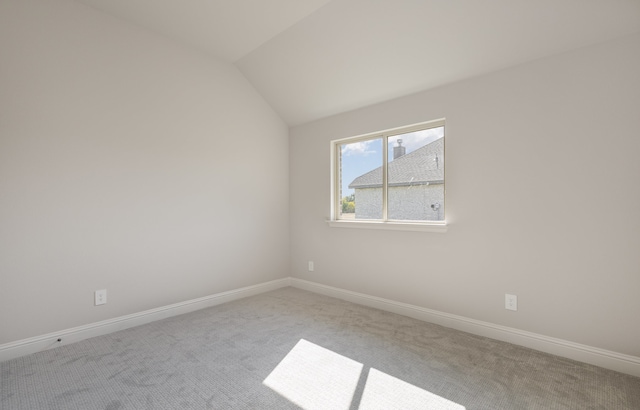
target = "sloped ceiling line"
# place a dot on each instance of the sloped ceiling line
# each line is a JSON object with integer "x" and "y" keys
{"x": 315, "y": 58}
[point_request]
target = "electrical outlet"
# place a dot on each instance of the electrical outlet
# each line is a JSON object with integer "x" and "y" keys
{"x": 101, "y": 297}
{"x": 311, "y": 266}
{"x": 510, "y": 302}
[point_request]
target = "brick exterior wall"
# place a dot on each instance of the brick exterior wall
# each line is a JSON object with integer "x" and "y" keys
{"x": 405, "y": 203}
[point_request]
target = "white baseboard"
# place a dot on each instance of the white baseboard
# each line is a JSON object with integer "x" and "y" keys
{"x": 583, "y": 353}
{"x": 39, "y": 343}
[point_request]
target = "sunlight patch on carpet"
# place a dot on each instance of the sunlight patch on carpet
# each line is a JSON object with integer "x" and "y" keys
{"x": 384, "y": 392}
{"x": 315, "y": 378}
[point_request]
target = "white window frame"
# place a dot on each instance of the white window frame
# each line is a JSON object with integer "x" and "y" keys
{"x": 384, "y": 223}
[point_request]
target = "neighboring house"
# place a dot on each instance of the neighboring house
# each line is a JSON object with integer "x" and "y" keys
{"x": 415, "y": 181}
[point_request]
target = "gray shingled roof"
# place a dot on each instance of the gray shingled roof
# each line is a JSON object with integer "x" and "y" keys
{"x": 418, "y": 167}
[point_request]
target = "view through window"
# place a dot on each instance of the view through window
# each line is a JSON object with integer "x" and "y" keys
{"x": 392, "y": 176}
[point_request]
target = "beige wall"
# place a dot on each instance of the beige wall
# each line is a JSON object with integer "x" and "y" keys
{"x": 128, "y": 163}
{"x": 533, "y": 153}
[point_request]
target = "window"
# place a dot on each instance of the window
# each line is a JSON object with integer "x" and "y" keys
{"x": 391, "y": 176}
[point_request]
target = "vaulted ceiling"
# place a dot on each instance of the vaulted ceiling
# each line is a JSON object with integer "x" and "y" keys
{"x": 314, "y": 58}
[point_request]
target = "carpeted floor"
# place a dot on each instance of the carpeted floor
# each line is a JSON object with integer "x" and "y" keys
{"x": 290, "y": 349}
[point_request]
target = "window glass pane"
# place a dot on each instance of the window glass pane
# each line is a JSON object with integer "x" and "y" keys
{"x": 360, "y": 180}
{"x": 416, "y": 175}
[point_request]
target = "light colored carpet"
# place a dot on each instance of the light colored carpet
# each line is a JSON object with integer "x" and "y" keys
{"x": 290, "y": 349}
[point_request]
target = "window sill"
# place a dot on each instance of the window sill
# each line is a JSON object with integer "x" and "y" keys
{"x": 394, "y": 226}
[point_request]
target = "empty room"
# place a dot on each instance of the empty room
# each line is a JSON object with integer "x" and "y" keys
{"x": 319, "y": 204}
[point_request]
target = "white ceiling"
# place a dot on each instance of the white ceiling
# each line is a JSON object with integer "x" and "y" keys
{"x": 228, "y": 29}
{"x": 314, "y": 58}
